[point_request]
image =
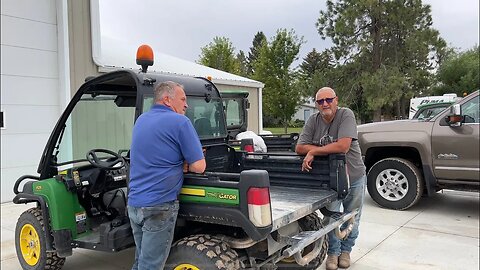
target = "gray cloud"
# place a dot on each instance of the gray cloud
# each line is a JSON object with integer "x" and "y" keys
{"x": 180, "y": 28}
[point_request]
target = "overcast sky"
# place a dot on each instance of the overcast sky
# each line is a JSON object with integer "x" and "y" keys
{"x": 181, "y": 27}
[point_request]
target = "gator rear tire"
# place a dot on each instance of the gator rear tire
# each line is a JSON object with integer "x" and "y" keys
{"x": 202, "y": 251}
{"x": 30, "y": 243}
{"x": 395, "y": 183}
{"x": 311, "y": 222}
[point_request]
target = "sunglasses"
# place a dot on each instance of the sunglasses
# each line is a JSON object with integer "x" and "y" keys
{"x": 328, "y": 100}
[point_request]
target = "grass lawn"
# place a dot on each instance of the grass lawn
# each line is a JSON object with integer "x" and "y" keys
{"x": 280, "y": 130}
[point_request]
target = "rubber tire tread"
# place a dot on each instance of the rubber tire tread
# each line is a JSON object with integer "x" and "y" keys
{"x": 48, "y": 260}
{"x": 414, "y": 178}
{"x": 203, "y": 251}
{"x": 311, "y": 222}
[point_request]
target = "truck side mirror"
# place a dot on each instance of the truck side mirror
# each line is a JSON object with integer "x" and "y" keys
{"x": 454, "y": 117}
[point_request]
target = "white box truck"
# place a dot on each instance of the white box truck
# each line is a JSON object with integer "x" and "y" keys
{"x": 415, "y": 102}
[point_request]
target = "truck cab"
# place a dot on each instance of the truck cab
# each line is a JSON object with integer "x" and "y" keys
{"x": 406, "y": 159}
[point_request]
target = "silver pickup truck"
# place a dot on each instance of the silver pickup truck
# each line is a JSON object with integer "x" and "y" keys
{"x": 406, "y": 159}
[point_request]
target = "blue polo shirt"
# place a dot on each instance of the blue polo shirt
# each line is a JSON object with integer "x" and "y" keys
{"x": 162, "y": 139}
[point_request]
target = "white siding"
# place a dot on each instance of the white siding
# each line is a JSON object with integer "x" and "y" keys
{"x": 25, "y": 33}
{"x": 300, "y": 113}
{"x": 29, "y": 86}
{"x": 37, "y": 10}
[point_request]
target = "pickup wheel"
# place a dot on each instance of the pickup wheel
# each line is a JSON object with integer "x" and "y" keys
{"x": 311, "y": 222}
{"x": 30, "y": 243}
{"x": 202, "y": 251}
{"x": 395, "y": 183}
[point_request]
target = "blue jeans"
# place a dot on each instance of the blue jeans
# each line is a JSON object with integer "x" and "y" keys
{"x": 153, "y": 229}
{"x": 353, "y": 200}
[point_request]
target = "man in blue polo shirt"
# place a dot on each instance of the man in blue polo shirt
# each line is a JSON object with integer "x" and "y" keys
{"x": 163, "y": 140}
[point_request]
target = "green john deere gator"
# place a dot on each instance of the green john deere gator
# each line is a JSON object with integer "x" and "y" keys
{"x": 248, "y": 210}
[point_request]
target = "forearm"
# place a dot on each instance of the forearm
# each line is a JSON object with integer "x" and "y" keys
{"x": 332, "y": 148}
{"x": 340, "y": 146}
{"x": 303, "y": 149}
{"x": 197, "y": 166}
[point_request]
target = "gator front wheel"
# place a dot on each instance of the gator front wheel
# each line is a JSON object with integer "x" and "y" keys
{"x": 30, "y": 243}
{"x": 202, "y": 251}
{"x": 395, "y": 183}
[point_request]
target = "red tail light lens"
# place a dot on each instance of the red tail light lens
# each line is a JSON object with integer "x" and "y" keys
{"x": 259, "y": 209}
{"x": 258, "y": 196}
{"x": 248, "y": 148}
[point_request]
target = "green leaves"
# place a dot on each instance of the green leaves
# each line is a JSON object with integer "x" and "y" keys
{"x": 281, "y": 94}
{"x": 259, "y": 41}
{"x": 220, "y": 54}
{"x": 268, "y": 62}
{"x": 383, "y": 87}
{"x": 387, "y": 49}
{"x": 460, "y": 73}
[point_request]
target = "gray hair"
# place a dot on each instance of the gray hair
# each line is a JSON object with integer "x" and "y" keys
{"x": 165, "y": 89}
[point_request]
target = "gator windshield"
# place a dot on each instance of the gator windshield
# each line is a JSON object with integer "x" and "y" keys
{"x": 207, "y": 117}
{"x": 101, "y": 121}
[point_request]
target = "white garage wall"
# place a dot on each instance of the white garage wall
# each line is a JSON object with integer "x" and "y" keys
{"x": 29, "y": 86}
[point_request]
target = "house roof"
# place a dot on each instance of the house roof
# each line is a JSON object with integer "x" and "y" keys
{"x": 115, "y": 54}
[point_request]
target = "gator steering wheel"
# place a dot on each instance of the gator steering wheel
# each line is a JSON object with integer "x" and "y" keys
{"x": 109, "y": 164}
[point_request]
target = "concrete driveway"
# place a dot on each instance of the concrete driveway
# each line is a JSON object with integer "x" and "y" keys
{"x": 441, "y": 232}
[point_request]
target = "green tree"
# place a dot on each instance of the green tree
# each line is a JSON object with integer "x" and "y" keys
{"x": 314, "y": 71}
{"x": 459, "y": 73}
{"x": 220, "y": 54}
{"x": 259, "y": 40}
{"x": 281, "y": 94}
{"x": 313, "y": 62}
{"x": 387, "y": 51}
{"x": 243, "y": 64}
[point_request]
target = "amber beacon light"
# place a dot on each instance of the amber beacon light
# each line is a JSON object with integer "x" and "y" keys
{"x": 145, "y": 57}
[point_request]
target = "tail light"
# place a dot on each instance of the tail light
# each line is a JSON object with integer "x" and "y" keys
{"x": 259, "y": 210}
{"x": 249, "y": 148}
{"x": 247, "y": 145}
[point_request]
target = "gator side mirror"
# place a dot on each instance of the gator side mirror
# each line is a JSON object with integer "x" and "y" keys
{"x": 454, "y": 118}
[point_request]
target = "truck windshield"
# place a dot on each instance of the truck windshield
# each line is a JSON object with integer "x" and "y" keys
{"x": 428, "y": 113}
{"x": 96, "y": 122}
{"x": 207, "y": 117}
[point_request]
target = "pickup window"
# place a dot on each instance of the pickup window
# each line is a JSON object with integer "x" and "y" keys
{"x": 470, "y": 110}
{"x": 428, "y": 113}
